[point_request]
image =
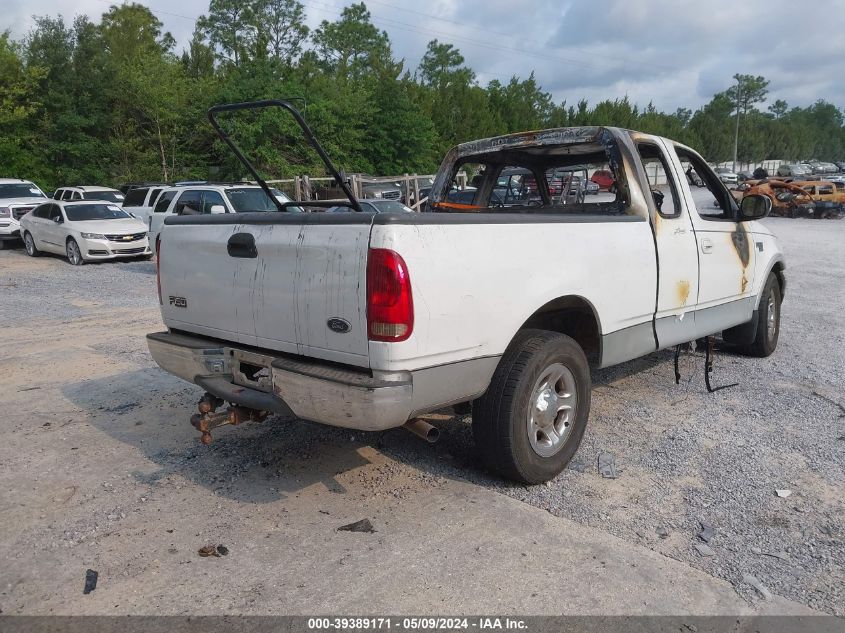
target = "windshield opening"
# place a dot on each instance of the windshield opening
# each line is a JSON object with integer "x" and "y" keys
{"x": 20, "y": 190}
{"x": 83, "y": 212}
{"x": 110, "y": 196}
{"x": 250, "y": 199}
{"x": 561, "y": 178}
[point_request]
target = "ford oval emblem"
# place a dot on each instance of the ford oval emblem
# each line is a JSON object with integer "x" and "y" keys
{"x": 341, "y": 326}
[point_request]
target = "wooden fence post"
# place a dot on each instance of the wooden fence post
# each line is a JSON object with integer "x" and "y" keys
{"x": 417, "y": 206}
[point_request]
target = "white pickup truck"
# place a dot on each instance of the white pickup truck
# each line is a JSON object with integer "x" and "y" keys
{"x": 367, "y": 321}
{"x": 17, "y": 198}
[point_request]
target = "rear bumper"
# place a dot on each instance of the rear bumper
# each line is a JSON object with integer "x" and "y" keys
{"x": 308, "y": 390}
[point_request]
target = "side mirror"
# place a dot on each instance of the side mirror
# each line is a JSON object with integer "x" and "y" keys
{"x": 58, "y": 219}
{"x": 217, "y": 208}
{"x": 658, "y": 198}
{"x": 754, "y": 207}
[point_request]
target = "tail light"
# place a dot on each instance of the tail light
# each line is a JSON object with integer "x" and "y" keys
{"x": 390, "y": 306}
{"x": 158, "y": 268}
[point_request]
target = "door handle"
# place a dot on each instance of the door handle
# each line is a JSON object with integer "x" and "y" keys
{"x": 242, "y": 245}
{"x": 706, "y": 245}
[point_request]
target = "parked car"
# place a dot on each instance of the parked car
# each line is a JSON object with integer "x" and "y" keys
{"x": 467, "y": 195}
{"x": 727, "y": 176}
{"x": 788, "y": 199}
{"x": 374, "y": 206}
{"x": 17, "y": 198}
{"x": 369, "y": 190}
{"x": 604, "y": 178}
{"x": 211, "y": 199}
{"x": 742, "y": 176}
{"x": 84, "y": 230}
{"x": 140, "y": 200}
{"x": 106, "y": 194}
{"x": 793, "y": 170}
{"x": 125, "y": 188}
{"x": 828, "y": 200}
{"x": 369, "y": 321}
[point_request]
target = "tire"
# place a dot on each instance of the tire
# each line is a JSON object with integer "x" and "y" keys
{"x": 29, "y": 245}
{"x": 768, "y": 321}
{"x": 514, "y": 435}
{"x": 74, "y": 255}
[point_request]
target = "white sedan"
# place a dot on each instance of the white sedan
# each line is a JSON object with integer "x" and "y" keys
{"x": 84, "y": 231}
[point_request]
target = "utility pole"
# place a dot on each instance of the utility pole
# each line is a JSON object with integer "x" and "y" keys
{"x": 736, "y": 132}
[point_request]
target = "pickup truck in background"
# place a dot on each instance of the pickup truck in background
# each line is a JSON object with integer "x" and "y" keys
{"x": 207, "y": 199}
{"x": 367, "y": 321}
{"x": 140, "y": 200}
{"x": 17, "y": 198}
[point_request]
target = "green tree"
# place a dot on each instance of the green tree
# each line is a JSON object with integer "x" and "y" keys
{"x": 352, "y": 45}
{"x": 283, "y": 24}
{"x": 520, "y": 105}
{"x": 230, "y": 27}
{"x": 131, "y": 30}
{"x": 198, "y": 58}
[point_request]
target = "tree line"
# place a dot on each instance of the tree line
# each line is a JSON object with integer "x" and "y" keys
{"x": 109, "y": 102}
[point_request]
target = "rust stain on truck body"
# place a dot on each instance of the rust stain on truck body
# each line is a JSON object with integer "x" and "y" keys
{"x": 683, "y": 292}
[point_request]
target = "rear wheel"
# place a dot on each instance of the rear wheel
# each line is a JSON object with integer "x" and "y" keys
{"x": 768, "y": 321}
{"x": 530, "y": 421}
{"x": 29, "y": 244}
{"x": 74, "y": 255}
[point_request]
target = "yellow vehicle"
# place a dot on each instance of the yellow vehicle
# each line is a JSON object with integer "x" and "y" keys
{"x": 828, "y": 199}
{"x": 788, "y": 199}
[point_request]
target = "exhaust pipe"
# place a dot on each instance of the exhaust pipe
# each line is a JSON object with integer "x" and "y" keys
{"x": 423, "y": 430}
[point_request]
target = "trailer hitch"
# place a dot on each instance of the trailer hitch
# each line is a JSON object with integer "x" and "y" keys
{"x": 209, "y": 418}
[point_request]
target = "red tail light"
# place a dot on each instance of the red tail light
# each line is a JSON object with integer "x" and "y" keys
{"x": 390, "y": 306}
{"x": 158, "y": 269}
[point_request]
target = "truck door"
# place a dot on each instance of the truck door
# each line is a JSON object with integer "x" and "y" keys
{"x": 725, "y": 250}
{"x": 677, "y": 257}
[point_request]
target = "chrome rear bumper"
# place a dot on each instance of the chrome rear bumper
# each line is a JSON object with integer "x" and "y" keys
{"x": 308, "y": 390}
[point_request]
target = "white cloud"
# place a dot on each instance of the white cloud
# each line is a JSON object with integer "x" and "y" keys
{"x": 672, "y": 52}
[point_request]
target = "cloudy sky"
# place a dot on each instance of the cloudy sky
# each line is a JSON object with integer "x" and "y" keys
{"x": 672, "y": 52}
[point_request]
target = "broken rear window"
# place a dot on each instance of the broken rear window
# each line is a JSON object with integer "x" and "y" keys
{"x": 565, "y": 171}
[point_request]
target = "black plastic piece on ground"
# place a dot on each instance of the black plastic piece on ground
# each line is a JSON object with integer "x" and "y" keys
{"x": 90, "y": 581}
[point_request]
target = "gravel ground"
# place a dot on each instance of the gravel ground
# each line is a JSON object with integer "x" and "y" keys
{"x": 686, "y": 458}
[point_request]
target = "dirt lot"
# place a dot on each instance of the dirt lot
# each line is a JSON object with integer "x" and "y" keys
{"x": 100, "y": 469}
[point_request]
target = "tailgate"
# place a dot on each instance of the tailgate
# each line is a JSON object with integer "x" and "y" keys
{"x": 303, "y": 291}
